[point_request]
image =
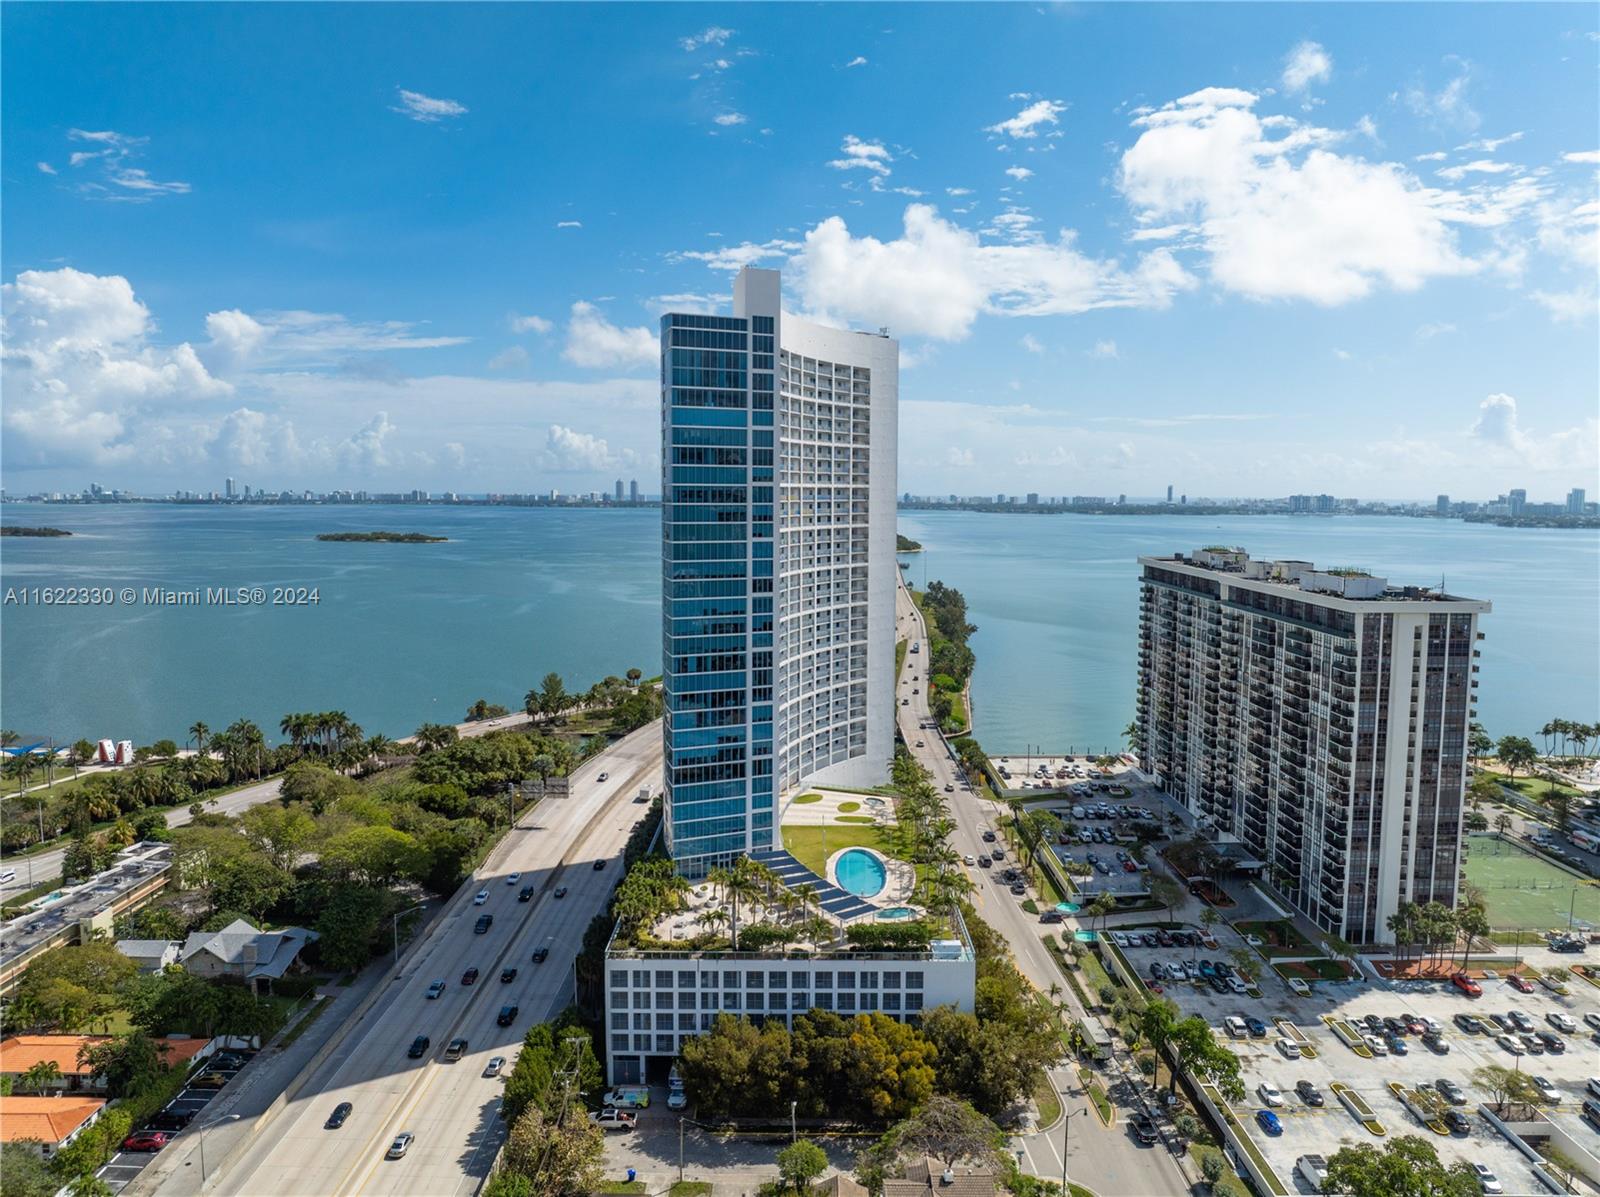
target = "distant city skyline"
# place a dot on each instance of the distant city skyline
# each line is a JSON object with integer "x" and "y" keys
{"x": 1345, "y": 250}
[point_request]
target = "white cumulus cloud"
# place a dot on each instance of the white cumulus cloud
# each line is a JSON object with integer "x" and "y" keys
{"x": 596, "y": 343}
{"x": 425, "y": 108}
{"x": 1306, "y": 64}
{"x": 862, "y": 155}
{"x": 1019, "y": 172}
{"x": 1027, "y": 123}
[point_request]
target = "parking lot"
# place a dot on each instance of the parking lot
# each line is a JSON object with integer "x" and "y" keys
{"x": 183, "y": 1115}
{"x": 1309, "y": 1129}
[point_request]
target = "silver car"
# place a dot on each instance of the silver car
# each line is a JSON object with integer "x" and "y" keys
{"x": 401, "y": 1145}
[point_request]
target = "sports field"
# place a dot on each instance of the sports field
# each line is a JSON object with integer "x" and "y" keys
{"x": 1526, "y": 893}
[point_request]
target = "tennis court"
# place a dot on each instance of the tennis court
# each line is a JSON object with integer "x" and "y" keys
{"x": 1524, "y": 892}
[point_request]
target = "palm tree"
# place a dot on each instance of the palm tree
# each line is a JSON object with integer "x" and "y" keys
{"x": 40, "y": 1076}
{"x": 1502, "y": 824}
{"x": 201, "y": 735}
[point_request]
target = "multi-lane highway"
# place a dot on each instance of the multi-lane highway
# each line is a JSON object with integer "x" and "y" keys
{"x": 1107, "y": 1160}
{"x": 451, "y": 1107}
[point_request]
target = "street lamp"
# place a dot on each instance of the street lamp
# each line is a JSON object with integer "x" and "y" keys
{"x": 395, "y": 927}
{"x": 793, "y": 1133}
{"x": 1066, "y": 1139}
{"x": 202, "y": 1132}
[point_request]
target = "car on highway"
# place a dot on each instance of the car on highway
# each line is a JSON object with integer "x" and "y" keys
{"x": 507, "y": 975}
{"x": 988, "y": 837}
{"x": 610, "y": 1120}
{"x": 470, "y": 977}
{"x": 969, "y": 859}
{"x": 436, "y": 989}
{"x": 541, "y": 954}
{"x": 402, "y": 1144}
{"x": 1144, "y": 1129}
{"x": 525, "y": 894}
{"x": 337, "y": 1118}
{"x": 507, "y": 1015}
{"x": 603, "y": 777}
{"x": 1309, "y": 1093}
{"x": 485, "y": 921}
{"x": 479, "y": 898}
{"x": 1019, "y": 889}
{"x": 1269, "y": 1122}
{"x": 455, "y": 1049}
{"x": 598, "y": 865}
{"x": 984, "y": 862}
{"x": 493, "y": 1067}
{"x": 561, "y": 891}
{"x": 948, "y": 788}
{"x": 419, "y": 1047}
{"x": 513, "y": 878}
{"x": 145, "y": 1141}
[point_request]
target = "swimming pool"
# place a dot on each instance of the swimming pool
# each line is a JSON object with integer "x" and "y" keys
{"x": 860, "y": 872}
{"x": 897, "y": 912}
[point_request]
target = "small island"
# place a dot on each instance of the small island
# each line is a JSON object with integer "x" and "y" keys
{"x": 12, "y": 530}
{"x": 904, "y": 544}
{"x": 386, "y": 537}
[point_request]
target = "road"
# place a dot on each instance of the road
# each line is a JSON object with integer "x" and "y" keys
{"x": 1107, "y": 1160}
{"x": 47, "y": 865}
{"x": 451, "y": 1108}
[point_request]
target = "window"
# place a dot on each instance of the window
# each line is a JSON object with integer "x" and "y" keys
{"x": 663, "y": 1022}
{"x": 730, "y": 1000}
{"x": 847, "y": 1001}
{"x": 779, "y": 980}
{"x": 663, "y": 1001}
{"x": 824, "y": 979}
{"x": 891, "y": 1001}
{"x": 686, "y": 1022}
{"x": 753, "y": 980}
{"x": 641, "y": 979}
{"x": 619, "y": 1021}
{"x": 891, "y": 980}
{"x": 847, "y": 980}
{"x": 619, "y": 978}
{"x": 641, "y": 1022}
{"x": 913, "y": 980}
{"x": 823, "y": 1001}
{"x": 619, "y": 1043}
{"x": 685, "y": 979}
{"x": 869, "y": 980}
{"x": 686, "y": 1001}
{"x": 913, "y": 1001}
{"x": 664, "y": 1045}
{"x": 755, "y": 1001}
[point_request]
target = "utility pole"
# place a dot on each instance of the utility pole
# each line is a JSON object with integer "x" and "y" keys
{"x": 794, "y": 1134}
{"x": 1066, "y": 1139}
{"x": 395, "y": 927}
{"x": 680, "y": 1149}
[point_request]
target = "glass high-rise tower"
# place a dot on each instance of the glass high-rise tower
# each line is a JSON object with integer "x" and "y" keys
{"x": 777, "y": 522}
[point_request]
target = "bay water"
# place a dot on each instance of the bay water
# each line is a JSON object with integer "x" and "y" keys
{"x": 404, "y": 634}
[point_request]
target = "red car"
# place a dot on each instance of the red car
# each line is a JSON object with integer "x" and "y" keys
{"x": 145, "y": 1141}
{"x": 1129, "y": 867}
{"x": 1520, "y": 984}
{"x": 1467, "y": 985}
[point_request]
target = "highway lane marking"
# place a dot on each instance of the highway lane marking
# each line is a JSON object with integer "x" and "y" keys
{"x": 424, "y": 1077}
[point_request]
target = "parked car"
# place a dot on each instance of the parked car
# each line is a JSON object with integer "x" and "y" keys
{"x": 1547, "y": 1090}
{"x": 1561, "y": 1022}
{"x": 677, "y": 1099}
{"x": 1510, "y": 1044}
{"x": 1450, "y": 1091}
{"x": 1396, "y": 1045}
{"x": 402, "y": 1144}
{"x": 1521, "y": 1020}
{"x": 1309, "y": 1093}
{"x": 1457, "y": 1122}
{"x": 1269, "y": 1093}
{"x": 1554, "y": 1044}
{"x": 337, "y": 1118}
{"x": 1487, "y": 1180}
{"x": 1375, "y": 1045}
{"x": 1289, "y": 1048}
{"x": 145, "y": 1141}
{"x": 1257, "y": 1028}
{"x": 1436, "y": 1043}
{"x": 1466, "y": 985}
{"x": 1520, "y": 984}
{"x": 611, "y": 1119}
{"x": 1468, "y": 1024}
{"x": 210, "y": 1080}
{"x": 1269, "y": 1122}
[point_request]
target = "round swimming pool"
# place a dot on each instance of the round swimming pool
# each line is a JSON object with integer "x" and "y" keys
{"x": 860, "y": 872}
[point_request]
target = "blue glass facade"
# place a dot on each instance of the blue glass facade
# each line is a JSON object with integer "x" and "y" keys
{"x": 717, "y": 380}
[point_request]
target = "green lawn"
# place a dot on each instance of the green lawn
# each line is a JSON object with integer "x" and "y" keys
{"x": 690, "y": 1188}
{"x": 899, "y": 656}
{"x": 807, "y": 799}
{"x": 1049, "y": 1101}
{"x": 1524, "y": 891}
{"x": 856, "y": 819}
{"x": 1320, "y": 969}
{"x": 1537, "y": 787}
{"x": 849, "y": 806}
{"x": 806, "y": 844}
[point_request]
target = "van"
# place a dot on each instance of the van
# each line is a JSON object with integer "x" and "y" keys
{"x": 1313, "y": 1169}
{"x": 1591, "y": 1111}
{"x": 1594, "y": 1085}
{"x": 628, "y": 1097}
{"x": 1235, "y": 1027}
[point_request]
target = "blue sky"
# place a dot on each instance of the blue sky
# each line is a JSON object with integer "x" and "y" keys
{"x": 1247, "y": 249}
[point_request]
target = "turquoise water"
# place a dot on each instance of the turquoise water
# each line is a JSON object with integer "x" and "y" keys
{"x": 896, "y": 912}
{"x": 860, "y": 872}
{"x": 1068, "y": 907}
{"x": 1055, "y": 600}
{"x": 1085, "y": 936}
{"x": 407, "y": 634}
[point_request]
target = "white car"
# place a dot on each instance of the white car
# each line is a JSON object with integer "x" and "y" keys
{"x": 1488, "y": 1181}
{"x": 1510, "y": 1043}
{"x": 969, "y": 859}
{"x": 1375, "y": 1045}
{"x": 1289, "y": 1048}
{"x": 513, "y": 878}
{"x": 603, "y": 777}
{"x": 480, "y": 897}
{"x": 401, "y": 1145}
{"x": 1562, "y": 1022}
{"x": 1592, "y": 1019}
{"x": 1547, "y": 1091}
{"x": 677, "y": 1100}
{"x": 1269, "y": 1093}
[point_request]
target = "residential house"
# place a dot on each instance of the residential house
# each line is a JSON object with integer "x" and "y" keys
{"x": 46, "y": 1123}
{"x": 20, "y": 1053}
{"x": 927, "y": 1177}
{"x": 245, "y": 953}
{"x": 151, "y": 955}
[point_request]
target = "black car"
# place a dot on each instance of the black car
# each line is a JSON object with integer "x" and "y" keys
{"x": 1457, "y": 1122}
{"x": 419, "y": 1047}
{"x": 171, "y": 1120}
{"x": 1554, "y": 1044}
{"x": 561, "y": 891}
{"x": 1217, "y": 985}
{"x": 1019, "y": 889}
{"x": 984, "y": 862}
{"x": 1051, "y": 916}
{"x": 988, "y": 837}
{"x": 227, "y": 1060}
{"x": 1373, "y": 1023}
{"x": 1503, "y": 1021}
{"x": 507, "y": 975}
{"x": 1309, "y": 1093}
{"x": 507, "y": 1015}
{"x": 485, "y": 921}
{"x": 1468, "y": 1024}
{"x": 340, "y": 1113}
{"x": 598, "y": 865}
{"x": 540, "y": 954}
{"x": 1144, "y": 1129}
{"x": 1396, "y": 1028}
{"x": 525, "y": 894}
{"x": 470, "y": 977}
